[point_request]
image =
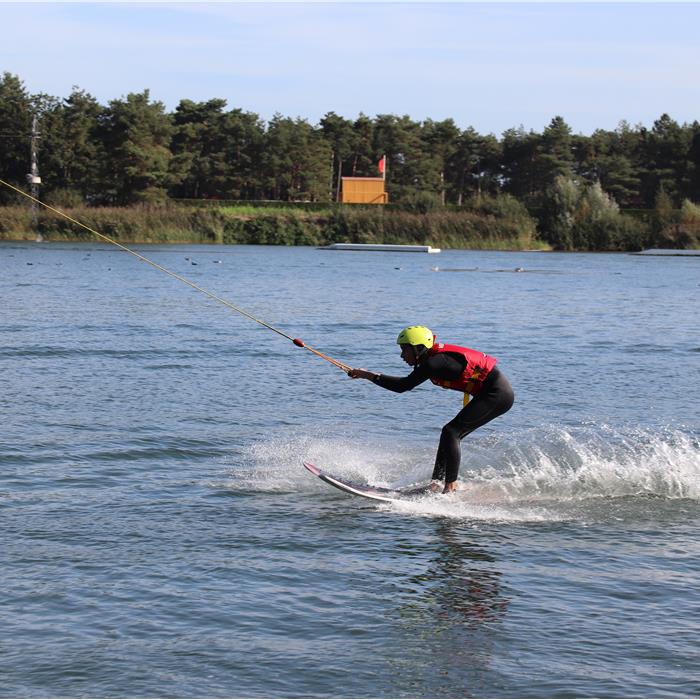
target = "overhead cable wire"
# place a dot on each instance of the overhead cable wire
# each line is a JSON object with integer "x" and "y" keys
{"x": 297, "y": 341}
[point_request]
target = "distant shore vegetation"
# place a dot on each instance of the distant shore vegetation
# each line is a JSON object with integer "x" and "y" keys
{"x": 206, "y": 173}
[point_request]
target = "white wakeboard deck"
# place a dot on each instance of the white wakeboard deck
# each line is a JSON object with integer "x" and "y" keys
{"x": 375, "y": 493}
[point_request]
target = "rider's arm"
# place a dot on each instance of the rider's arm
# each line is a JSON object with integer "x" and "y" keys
{"x": 444, "y": 366}
{"x": 401, "y": 384}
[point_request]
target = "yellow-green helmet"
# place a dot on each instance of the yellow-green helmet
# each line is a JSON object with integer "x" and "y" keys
{"x": 416, "y": 335}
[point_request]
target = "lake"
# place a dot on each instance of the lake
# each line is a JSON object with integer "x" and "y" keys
{"x": 160, "y": 536}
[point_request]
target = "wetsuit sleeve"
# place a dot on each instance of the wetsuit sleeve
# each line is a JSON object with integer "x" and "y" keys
{"x": 442, "y": 366}
{"x": 401, "y": 384}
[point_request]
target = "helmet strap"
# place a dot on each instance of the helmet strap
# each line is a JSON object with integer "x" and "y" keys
{"x": 416, "y": 355}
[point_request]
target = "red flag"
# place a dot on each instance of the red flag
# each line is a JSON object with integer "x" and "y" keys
{"x": 382, "y": 164}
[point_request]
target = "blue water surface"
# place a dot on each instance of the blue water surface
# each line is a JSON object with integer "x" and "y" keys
{"x": 160, "y": 537}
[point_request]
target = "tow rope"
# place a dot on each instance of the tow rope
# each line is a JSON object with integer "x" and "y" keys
{"x": 297, "y": 341}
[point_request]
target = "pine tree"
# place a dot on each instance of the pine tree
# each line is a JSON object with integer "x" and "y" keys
{"x": 441, "y": 141}
{"x": 136, "y": 134}
{"x": 340, "y": 135}
{"x": 554, "y": 154}
{"x": 16, "y": 112}
{"x": 198, "y": 149}
{"x": 70, "y": 152}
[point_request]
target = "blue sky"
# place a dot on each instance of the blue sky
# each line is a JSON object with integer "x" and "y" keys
{"x": 491, "y": 66}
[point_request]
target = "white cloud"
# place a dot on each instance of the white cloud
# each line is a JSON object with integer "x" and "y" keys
{"x": 491, "y": 66}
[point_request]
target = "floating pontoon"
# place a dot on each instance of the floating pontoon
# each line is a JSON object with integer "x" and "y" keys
{"x": 382, "y": 247}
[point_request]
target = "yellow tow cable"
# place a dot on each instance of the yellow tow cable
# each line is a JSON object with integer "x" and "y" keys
{"x": 297, "y": 341}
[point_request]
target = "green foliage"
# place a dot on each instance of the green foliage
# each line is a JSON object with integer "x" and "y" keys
{"x": 689, "y": 224}
{"x": 599, "y": 225}
{"x": 474, "y": 167}
{"x": 518, "y": 164}
{"x": 272, "y": 229}
{"x": 420, "y": 202}
{"x": 440, "y": 227}
{"x": 134, "y": 152}
{"x": 71, "y": 154}
{"x": 296, "y": 159}
{"x": 215, "y": 153}
{"x": 441, "y": 141}
{"x": 666, "y": 150}
{"x": 678, "y": 229}
{"x": 199, "y": 162}
{"x": 149, "y": 223}
{"x": 690, "y": 212}
{"x": 555, "y": 153}
{"x": 503, "y": 206}
{"x": 664, "y": 214}
{"x": 64, "y": 197}
{"x": 340, "y": 135}
{"x": 16, "y": 223}
{"x": 693, "y": 186}
{"x": 135, "y": 135}
{"x": 579, "y": 216}
{"x": 15, "y": 129}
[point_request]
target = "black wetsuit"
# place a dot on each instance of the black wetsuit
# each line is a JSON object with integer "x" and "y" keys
{"x": 494, "y": 399}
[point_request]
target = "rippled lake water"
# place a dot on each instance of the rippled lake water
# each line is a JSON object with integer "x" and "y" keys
{"x": 160, "y": 536}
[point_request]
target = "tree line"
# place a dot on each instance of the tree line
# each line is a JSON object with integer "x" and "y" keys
{"x": 133, "y": 150}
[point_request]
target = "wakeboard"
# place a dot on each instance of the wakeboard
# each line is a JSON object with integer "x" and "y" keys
{"x": 374, "y": 493}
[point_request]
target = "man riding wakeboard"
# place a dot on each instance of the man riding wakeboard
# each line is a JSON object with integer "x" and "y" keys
{"x": 487, "y": 392}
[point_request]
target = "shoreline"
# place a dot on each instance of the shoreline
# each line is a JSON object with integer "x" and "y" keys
{"x": 32, "y": 238}
{"x": 174, "y": 225}
{"x": 651, "y": 252}
{"x": 178, "y": 224}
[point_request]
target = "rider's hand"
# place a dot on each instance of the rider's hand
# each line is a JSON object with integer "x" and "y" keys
{"x": 361, "y": 374}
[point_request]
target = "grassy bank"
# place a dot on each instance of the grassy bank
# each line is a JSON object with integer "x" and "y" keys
{"x": 496, "y": 229}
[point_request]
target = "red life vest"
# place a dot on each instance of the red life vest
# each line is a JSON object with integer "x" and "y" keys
{"x": 478, "y": 367}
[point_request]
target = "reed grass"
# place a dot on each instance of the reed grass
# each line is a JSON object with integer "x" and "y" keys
{"x": 487, "y": 228}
